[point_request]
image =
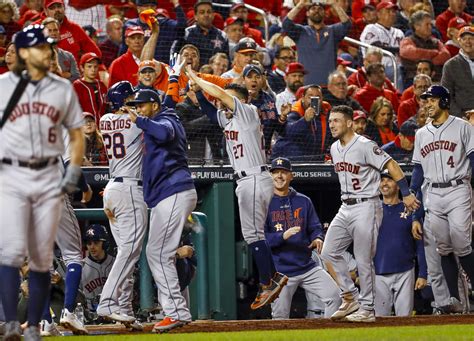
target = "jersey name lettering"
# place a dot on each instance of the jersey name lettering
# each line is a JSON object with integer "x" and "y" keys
{"x": 114, "y": 125}
{"x": 95, "y": 283}
{"x": 36, "y": 108}
{"x": 437, "y": 145}
{"x": 231, "y": 135}
{"x": 346, "y": 167}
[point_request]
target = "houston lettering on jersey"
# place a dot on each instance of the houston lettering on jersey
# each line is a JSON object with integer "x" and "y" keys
{"x": 437, "y": 145}
{"x": 285, "y": 215}
{"x": 346, "y": 167}
{"x": 95, "y": 283}
{"x": 35, "y": 108}
{"x": 115, "y": 125}
{"x": 231, "y": 135}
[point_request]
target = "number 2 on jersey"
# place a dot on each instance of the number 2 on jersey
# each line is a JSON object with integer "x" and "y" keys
{"x": 356, "y": 184}
{"x": 115, "y": 145}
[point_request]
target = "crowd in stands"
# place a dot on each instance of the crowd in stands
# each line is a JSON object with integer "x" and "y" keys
{"x": 299, "y": 55}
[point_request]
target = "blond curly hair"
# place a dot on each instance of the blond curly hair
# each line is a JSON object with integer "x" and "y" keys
{"x": 13, "y": 7}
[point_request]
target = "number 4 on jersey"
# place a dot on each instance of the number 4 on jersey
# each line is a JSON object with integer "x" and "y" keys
{"x": 451, "y": 162}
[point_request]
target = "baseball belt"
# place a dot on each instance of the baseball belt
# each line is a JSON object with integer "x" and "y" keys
{"x": 447, "y": 184}
{"x": 255, "y": 170}
{"x": 35, "y": 164}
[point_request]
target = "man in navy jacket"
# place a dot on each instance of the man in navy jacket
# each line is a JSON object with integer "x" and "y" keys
{"x": 293, "y": 230}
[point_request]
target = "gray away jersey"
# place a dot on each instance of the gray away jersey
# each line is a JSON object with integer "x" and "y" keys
{"x": 94, "y": 276}
{"x": 244, "y": 136}
{"x": 358, "y": 165}
{"x": 443, "y": 152}
{"x": 124, "y": 144}
{"x": 34, "y": 128}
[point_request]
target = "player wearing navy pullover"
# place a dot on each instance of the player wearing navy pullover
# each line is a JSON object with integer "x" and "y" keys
{"x": 396, "y": 254}
{"x": 293, "y": 230}
{"x": 169, "y": 191}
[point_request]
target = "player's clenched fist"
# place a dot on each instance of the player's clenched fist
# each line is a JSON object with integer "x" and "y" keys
{"x": 291, "y": 232}
{"x": 411, "y": 203}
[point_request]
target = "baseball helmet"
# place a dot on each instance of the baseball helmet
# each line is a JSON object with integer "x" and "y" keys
{"x": 440, "y": 92}
{"x": 97, "y": 232}
{"x": 31, "y": 36}
{"x": 118, "y": 93}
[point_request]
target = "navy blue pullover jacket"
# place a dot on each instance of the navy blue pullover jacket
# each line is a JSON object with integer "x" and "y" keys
{"x": 292, "y": 257}
{"x": 397, "y": 250}
{"x": 165, "y": 165}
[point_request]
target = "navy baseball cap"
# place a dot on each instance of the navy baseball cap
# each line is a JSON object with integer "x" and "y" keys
{"x": 281, "y": 163}
{"x": 31, "y": 36}
{"x": 386, "y": 174}
{"x": 438, "y": 91}
{"x": 408, "y": 128}
{"x": 251, "y": 67}
{"x": 145, "y": 96}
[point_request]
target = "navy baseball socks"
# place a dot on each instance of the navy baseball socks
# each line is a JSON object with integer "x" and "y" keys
{"x": 9, "y": 286}
{"x": 451, "y": 272}
{"x": 72, "y": 282}
{"x": 467, "y": 263}
{"x": 38, "y": 285}
{"x": 271, "y": 281}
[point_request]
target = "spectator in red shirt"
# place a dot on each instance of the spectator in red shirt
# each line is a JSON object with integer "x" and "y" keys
{"x": 421, "y": 45}
{"x": 288, "y": 5}
{"x": 35, "y": 5}
{"x": 359, "y": 5}
{"x": 110, "y": 47}
{"x": 125, "y": 67}
{"x": 369, "y": 16}
{"x": 374, "y": 88}
{"x": 234, "y": 28}
{"x": 454, "y": 25}
{"x": 73, "y": 38}
{"x": 409, "y": 107}
{"x": 358, "y": 79}
{"x": 380, "y": 127}
{"x": 8, "y": 17}
{"x": 456, "y": 9}
{"x": 423, "y": 66}
{"x": 239, "y": 10}
{"x": 90, "y": 90}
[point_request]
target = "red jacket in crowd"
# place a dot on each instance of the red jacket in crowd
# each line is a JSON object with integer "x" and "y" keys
{"x": 407, "y": 109}
{"x": 124, "y": 68}
{"x": 75, "y": 40}
{"x": 368, "y": 94}
{"x": 443, "y": 19}
{"x": 359, "y": 79}
{"x": 91, "y": 97}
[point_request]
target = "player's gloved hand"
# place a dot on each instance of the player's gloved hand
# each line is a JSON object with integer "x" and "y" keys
{"x": 176, "y": 65}
{"x": 71, "y": 179}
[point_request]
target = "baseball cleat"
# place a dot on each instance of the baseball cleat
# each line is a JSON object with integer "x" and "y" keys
{"x": 49, "y": 329}
{"x": 346, "y": 308}
{"x": 269, "y": 293}
{"x": 134, "y": 326}
{"x": 454, "y": 307}
{"x": 167, "y": 324}
{"x": 361, "y": 315}
{"x": 12, "y": 331}
{"x": 122, "y": 318}
{"x": 31, "y": 333}
{"x": 70, "y": 321}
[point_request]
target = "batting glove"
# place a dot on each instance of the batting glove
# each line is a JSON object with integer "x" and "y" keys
{"x": 71, "y": 179}
{"x": 176, "y": 64}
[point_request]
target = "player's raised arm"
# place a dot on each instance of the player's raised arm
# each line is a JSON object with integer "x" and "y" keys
{"x": 409, "y": 199}
{"x": 212, "y": 89}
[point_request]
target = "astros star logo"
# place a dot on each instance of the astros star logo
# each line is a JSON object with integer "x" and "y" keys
{"x": 279, "y": 162}
{"x": 279, "y": 227}
{"x": 404, "y": 214}
{"x": 217, "y": 43}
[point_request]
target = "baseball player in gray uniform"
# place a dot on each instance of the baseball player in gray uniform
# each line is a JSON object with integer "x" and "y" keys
{"x": 245, "y": 148}
{"x": 30, "y": 189}
{"x": 444, "y": 157}
{"x": 123, "y": 202}
{"x": 358, "y": 162}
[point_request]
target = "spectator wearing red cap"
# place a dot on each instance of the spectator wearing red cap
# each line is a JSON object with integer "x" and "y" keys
{"x": 382, "y": 34}
{"x": 369, "y": 16}
{"x": 73, "y": 37}
{"x": 359, "y": 122}
{"x": 110, "y": 47}
{"x": 66, "y": 60}
{"x": 374, "y": 88}
{"x": 238, "y": 10}
{"x": 245, "y": 52}
{"x": 458, "y": 74}
{"x": 203, "y": 34}
{"x": 456, "y": 9}
{"x": 8, "y": 18}
{"x": 338, "y": 91}
{"x": 234, "y": 28}
{"x": 454, "y": 25}
{"x": 170, "y": 29}
{"x": 421, "y": 45}
{"x": 306, "y": 136}
{"x": 125, "y": 67}
{"x": 316, "y": 42}
{"x": 409, "y": 107}
{"x": 358, "y": 7}
{"x": 294, "y": 79}
{"x": 29, "y": 17}
{"x": 90, "y": 90}
{"x": 276, "y": 77}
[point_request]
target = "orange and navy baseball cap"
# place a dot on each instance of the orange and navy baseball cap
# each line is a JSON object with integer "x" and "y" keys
{"x": 88, "y": 57}
{"x": 246, "y": 45}
{"x": 466, "y": 30}
{"x": 281, "y": 163}
{"x": 130, "y": 31}
{"x": 147, "y": 64}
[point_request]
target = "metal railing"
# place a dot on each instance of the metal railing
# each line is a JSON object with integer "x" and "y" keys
{"x": 384, "y": 52}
